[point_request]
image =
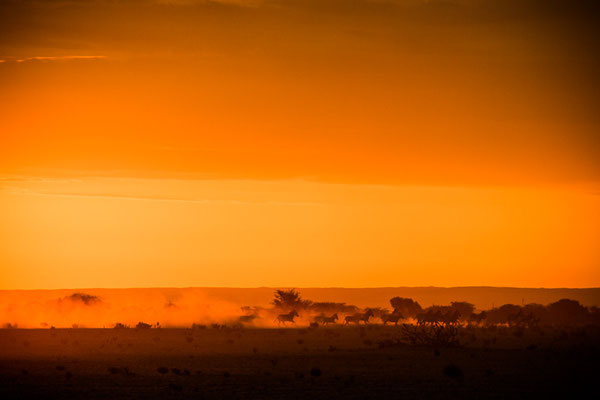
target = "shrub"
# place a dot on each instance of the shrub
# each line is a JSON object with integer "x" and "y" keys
{"x": 453, "y": 371}
{"x": 430, "y": 335}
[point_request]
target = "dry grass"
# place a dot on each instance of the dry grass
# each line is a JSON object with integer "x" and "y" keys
{"x": 327, "y": 362}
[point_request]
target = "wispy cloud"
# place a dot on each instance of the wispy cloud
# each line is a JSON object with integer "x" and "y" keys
{"x": 173, "y": 199}
{"x": 176, "y": 199}
{"x": 51, "y": 58}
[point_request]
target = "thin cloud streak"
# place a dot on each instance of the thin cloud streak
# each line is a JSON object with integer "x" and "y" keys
{"x": 52, "y": 58}
{"x": 161, "y": 199}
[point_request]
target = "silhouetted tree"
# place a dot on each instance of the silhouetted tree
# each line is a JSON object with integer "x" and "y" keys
{"x": 567, "y": 311}
{"x": 533, "y": 314}
{"x": 290, "y": 300}
{"x": 405, "y": 306}
{"x": 463, "y": 308}
{"x": 503, "y": 314}
{"x": 378, "y": 312}
{"x": 594, "y": 317}
{"x": 442, "y": 310}
{"x": 87, "y": 299}
{"x": 536, "y": 309}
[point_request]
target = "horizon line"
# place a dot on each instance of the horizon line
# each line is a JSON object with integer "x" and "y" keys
{"x": 307, "y": 287}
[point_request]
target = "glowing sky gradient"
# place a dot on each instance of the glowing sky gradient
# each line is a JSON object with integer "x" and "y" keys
{"x": 299, "y": 143}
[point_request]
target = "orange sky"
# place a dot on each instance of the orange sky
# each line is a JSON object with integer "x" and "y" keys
{"x": 299, "y": 143}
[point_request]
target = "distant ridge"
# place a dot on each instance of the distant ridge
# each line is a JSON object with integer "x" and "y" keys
{"x": 484, "y": 297}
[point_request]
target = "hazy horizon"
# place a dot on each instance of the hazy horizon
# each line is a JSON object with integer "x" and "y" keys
{"x": 183, "y": 307}
{"x": 306, "y": 287}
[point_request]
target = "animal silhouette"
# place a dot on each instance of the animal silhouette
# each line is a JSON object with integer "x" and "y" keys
{"x": 451, "y": 318}
{"x": 391, "y": 318}
{"x": 477, "y": 318}
{"x": 358, "y": 317}
{"x": 289, "y": 317}
{"x": 438, "y": 318}
{"x": 429, "y": 318}
{"x": 322, "y": 319}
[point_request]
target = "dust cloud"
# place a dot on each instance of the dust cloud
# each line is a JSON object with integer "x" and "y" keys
{"x": 102, "y": 308}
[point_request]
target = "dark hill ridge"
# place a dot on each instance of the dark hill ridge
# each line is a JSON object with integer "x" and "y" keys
{"x": 482, "y": 297}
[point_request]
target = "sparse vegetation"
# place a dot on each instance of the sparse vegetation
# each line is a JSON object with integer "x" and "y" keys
{"x": 321, "y": 358}
{"x": 83, "y": 298}
{"x": 453, "y": 371}
{"x": 433, "y": 335}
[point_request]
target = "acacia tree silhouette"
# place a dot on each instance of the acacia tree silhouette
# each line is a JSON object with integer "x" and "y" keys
{"x": 405, "y": 306}
{"x": 290, "y": 300}
{"x": 566, "y": 311}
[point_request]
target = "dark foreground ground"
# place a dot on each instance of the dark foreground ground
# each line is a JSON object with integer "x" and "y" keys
{"x": 293, "y": 363}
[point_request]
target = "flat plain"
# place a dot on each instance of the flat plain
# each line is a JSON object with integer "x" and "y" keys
{"x": 327, "y": 362}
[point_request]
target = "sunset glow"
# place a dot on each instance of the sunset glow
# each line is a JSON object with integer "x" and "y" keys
{"x": 299, "y": 199}
{"x": 298, "y": 143}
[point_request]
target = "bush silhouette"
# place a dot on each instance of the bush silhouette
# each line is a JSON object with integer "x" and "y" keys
{"x": 405, "y": 306}
{"x": 289, "y": 300}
